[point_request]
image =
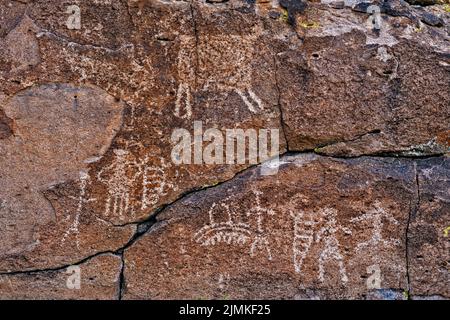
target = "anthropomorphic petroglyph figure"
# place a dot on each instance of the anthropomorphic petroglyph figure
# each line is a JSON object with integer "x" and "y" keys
{"x": 261, "y": 240}
{"x": 219, "y": 230}
{"x": 119, "y": 177}
{"x": 327, "y": 237}
{"x": 155, "y": 184}
{"x": 303, "y": 237}
{"x": 81, "y": 201}
{"x": 376, "y": 216}
{"x": 222, "y": 63}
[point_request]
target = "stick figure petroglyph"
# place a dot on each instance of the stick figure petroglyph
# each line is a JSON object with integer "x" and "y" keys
{"x": 74, "y": 227}
{"x": 261, "y": 241}
{"x": 376, "y": 215}
{"x": 119, "y": 183}
{"x": 331, "y": 247}
{"x": 222, "y": 63}
{"x": 325, "y": 238}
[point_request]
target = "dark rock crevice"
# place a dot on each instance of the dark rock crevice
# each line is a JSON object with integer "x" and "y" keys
{"x": 279, "y": 102}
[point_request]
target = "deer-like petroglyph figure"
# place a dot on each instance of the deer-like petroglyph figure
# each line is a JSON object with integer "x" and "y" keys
{"x": 222, "y": 63}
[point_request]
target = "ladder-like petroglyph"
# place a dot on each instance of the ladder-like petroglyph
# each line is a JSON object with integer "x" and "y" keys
{"x": 303, "y": 237}
{"x": 261, "y": 240}
{"x": 156, "y": 183}
{"x": 119, "y": 180}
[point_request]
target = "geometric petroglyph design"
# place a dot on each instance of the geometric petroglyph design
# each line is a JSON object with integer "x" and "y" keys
{"x": 261, "y": 241}
{"x": 122, "y": 177}
{"x": 221, "y": 63}
{"x": 232, "y": 230}
{"x": 303, "y": 237}
{"x": 155, "y": 183}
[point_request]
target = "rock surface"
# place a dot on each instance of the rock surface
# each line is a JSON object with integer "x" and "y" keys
{"x": 92, "y": 91}
{"x": 65, "y": 284}
{"x": 310, "y": 232}
{"x": 429, "y": 254}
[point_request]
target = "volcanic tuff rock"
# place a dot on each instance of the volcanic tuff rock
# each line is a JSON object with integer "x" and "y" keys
{"x": 86, "y": 177}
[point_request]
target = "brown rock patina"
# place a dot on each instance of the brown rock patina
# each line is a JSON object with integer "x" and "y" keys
{"x": 91, "y": 93}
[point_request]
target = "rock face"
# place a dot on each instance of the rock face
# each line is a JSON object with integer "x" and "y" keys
{"x": 313, "y": 231}
{"x": 429, "y": 253}
{"x": 95, "y": 96}
{"x": 82, "y": 281}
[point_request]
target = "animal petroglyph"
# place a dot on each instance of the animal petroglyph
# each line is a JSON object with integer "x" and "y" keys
{"x": 120, "y": 177}
{"x": 81, "y": 201}
{"x": 221, "y": 63}
{"x": 59, "y": 140}
{"x": 233, "y": 230}
{"x": 376, "y": 216}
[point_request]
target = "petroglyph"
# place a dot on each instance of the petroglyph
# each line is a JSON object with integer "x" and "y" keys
{"x": 376, "y": 216}
{"x": 81, "y": 201}
{"x": 261, "y": 241}
{"x": 327, "y": 235}
{"x": 183, "y": 104}
{"x": 120, "y": 177}
{"x": 303, "y": 237}
{"x": 52, "y": 144}
{"x": 221, "y": 63}
{"x": 233, "y": 230}
{"x": 155, "y": 183}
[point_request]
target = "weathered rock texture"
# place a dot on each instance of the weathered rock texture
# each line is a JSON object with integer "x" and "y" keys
{"x": 92, "y": 90}
{"x": 55, "y": 284}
